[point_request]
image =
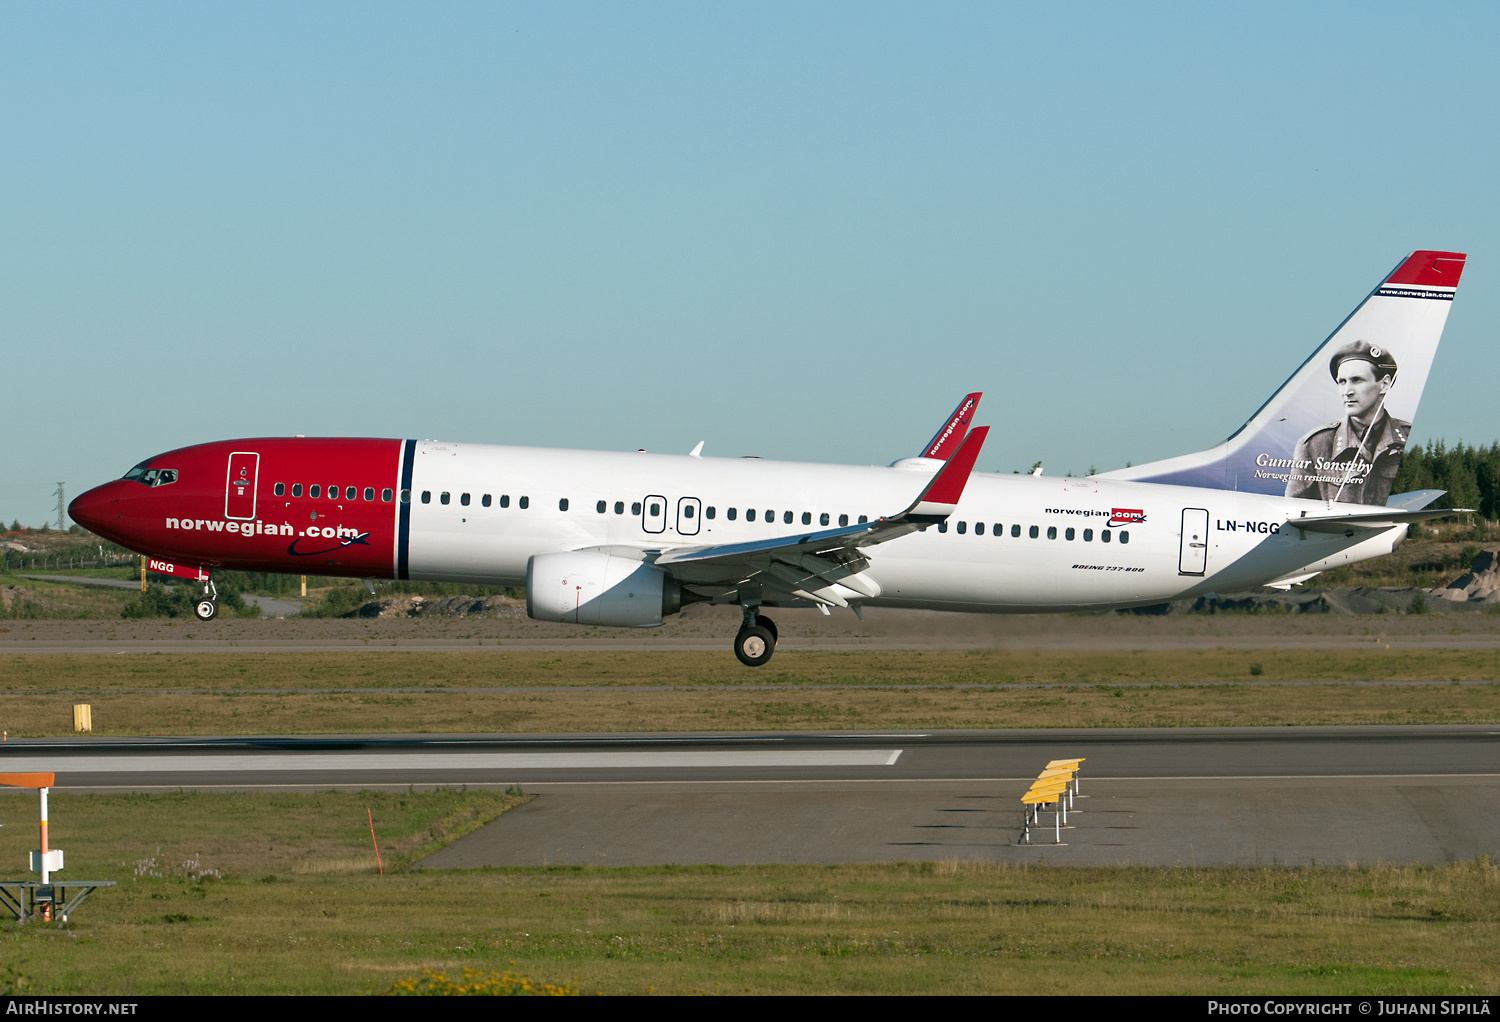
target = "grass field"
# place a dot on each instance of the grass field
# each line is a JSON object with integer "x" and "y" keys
{"x": 277, "y": 893}
{"x": 668, "y": 690}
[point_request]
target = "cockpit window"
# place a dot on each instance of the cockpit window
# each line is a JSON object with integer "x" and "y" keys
{"x": 152, "y": 476}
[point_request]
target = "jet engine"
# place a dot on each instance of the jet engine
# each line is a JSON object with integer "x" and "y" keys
{"x": 590, "y": 588}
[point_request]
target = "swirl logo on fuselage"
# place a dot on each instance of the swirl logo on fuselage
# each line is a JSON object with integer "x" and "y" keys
{"x": 363, "y": 539}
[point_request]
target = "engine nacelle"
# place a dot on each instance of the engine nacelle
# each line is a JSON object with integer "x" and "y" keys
{"x": 590, "y": 588}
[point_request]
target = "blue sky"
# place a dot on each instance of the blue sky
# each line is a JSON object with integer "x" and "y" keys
{"x": 798, "y": 231}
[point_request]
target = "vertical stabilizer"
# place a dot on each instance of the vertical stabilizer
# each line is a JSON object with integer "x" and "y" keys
{"x": 1336, "y": 430}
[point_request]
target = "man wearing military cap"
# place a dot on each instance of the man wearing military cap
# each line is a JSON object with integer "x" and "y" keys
{"x": 1354, "y": 459}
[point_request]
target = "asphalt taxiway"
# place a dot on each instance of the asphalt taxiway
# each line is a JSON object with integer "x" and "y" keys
{"x": 1151, "y": 796}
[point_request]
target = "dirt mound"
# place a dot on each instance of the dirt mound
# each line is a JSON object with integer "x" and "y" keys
{"x": 1481, "y": 584}
{"x": 444, "y": 606}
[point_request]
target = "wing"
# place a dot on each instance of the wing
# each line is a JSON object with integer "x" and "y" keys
{"x": 826, "y": 566}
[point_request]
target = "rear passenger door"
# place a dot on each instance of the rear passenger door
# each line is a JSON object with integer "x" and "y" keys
{"x": 1193, "y": 558}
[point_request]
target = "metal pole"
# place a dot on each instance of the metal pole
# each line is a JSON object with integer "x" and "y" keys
{"x": 1057, "y": 824}
{"x": 44, "y": 834}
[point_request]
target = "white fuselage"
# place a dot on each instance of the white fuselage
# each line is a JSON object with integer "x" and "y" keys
{"x": 978, "y": 564}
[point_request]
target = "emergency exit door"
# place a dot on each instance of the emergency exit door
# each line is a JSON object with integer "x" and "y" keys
{"x": 1194, "y": 557}
{"x": 239, "y": 487}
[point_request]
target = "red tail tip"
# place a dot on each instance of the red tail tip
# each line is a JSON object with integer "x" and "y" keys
{"x": 1430, "y": 269}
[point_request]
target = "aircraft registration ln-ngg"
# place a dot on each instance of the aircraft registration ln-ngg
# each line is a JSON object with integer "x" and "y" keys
{"x": 625, "y": 539}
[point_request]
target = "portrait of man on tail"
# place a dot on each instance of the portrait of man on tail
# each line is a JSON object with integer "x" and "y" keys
{"x": 1354, "y": 459}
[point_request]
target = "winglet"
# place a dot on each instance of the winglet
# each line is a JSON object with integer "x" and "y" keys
{"x": 946, "y": 440}
{"x": 940, "y": 498}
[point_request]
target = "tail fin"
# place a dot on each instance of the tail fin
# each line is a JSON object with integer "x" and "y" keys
{"x": 1333, "y": 432}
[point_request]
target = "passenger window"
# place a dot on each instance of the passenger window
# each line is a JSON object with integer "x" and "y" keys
{"x": 1069, "y": 535}
{"x": 427, "y": 496}
{"x": 942, "y": 526}
{"x": 602, "y": 506}
{"x": 463, "y": 498}
{"x": 562, "y": 505}
{"x": 1124, "y": 536}
{"x": 732, "y": 513}
{"x": 619, "y": 507}
{"x": 333, "y": 493}
{"x": 486, "y": 500}
{"x": 315, "y": 490}
{"x": 863, "y": 519}
{"x": 369, "y": 493}
{"x": 1051, "y": 532}
{"x": 405, "y": 496}
{"x": 786, "y": 516}
{"x": 843, "y": 520}
{"x": 749, "y": 514}
{"x": 710, "y": 511}
{"x": 979, "y": 528}
{"x": 351, "y": 493}
{"x": 653, "y": 509}
{"x": 998, "y": 530}
{"x": 687, "y": 510}
{"x": 279, "y": 489}
{"x": 505, "y": 500}
{"x": 1034, "y": 532}
{"x": 523, "y": 503}
{"x": 963, "y": 527}
{"x": 1015, "y": 531}
{"x": 444, "y": 497}
{"x": 1088, "y": 535}
{"x": 385, "y": 495}
{"x": 1104, "y": 535}
{"x": 807, "y": 518}
{"x": 823, "y": 518}
{"x": 635, "y": 508}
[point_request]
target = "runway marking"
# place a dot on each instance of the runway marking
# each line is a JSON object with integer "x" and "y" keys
{"x": 263, "y": 762}
{"x": 535, "y": 785}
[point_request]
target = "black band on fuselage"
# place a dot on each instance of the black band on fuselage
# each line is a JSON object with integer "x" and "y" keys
{"x": 403, "y": 530}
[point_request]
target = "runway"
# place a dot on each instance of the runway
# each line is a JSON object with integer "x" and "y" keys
{"x": 1152, "y": 796}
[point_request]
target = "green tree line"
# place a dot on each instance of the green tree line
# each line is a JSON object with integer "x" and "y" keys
{"x": 1471, "y": 475}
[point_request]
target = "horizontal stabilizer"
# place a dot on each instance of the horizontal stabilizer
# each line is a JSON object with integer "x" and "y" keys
{"x": 1378, "y": 520}
{"x": 1414, "y": 500}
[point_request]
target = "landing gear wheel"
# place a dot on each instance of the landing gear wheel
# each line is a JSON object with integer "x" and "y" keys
{"x": 206, "y": 609}
{"x": 754, "y": 645}
{"x": 769, "y": 626}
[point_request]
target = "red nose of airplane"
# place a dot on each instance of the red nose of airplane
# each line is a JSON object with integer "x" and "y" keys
{"x": 96, "y": 509}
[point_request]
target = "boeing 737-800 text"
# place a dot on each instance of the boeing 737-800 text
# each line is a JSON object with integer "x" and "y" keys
{"x": 625, "y": 539}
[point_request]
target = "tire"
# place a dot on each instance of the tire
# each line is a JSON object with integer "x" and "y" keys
{"x": 754, "y": 646}
{"x": 769, "y": 626}
{"x": 206, "y": 609}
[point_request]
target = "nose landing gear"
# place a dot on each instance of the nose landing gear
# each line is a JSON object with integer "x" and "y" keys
{"x": 207, "y": 608}
{"x": 756, "y": 640}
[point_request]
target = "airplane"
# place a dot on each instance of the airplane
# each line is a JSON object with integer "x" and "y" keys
{"x": 626, "y": 539}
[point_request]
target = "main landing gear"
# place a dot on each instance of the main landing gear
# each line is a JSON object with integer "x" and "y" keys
{"x": 756, "y": 640}
{"x": 207, "y": 608}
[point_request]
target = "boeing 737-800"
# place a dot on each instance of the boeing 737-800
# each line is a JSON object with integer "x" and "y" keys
{"x": 625, "y": 539}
